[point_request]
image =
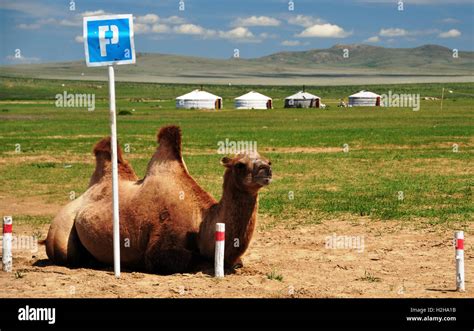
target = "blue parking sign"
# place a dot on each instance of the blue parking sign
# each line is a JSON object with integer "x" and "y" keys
{"x": 108, "y": 40}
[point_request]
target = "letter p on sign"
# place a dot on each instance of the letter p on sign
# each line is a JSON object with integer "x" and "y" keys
{"x": 104, "y": 40}
{"x": 108, "y": 40}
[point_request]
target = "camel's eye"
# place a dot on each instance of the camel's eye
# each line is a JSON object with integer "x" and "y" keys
{"x": 269, "y": 163}
{"x": 239, "y": 165}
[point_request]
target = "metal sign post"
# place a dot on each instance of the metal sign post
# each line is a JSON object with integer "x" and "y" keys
{"x": 115, "y": 193}
{"x": 108, "y": 41}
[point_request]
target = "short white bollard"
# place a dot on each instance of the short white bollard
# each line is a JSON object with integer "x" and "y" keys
{"x": 459, "y": 243}
{"x": 7, "y": 244}
{"x": 219, "y": 255}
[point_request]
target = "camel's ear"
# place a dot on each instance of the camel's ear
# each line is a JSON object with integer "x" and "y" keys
{"x": 226, "y": 162}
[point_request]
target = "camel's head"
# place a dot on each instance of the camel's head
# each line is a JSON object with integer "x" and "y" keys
{"x": 250, "y": 171}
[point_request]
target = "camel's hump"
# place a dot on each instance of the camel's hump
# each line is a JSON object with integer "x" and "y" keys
{"x": 169, "y": 138}
{"x": 104, "y": 147}
{"x": 103, "y": 156}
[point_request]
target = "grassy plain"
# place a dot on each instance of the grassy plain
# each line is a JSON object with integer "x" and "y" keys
{"x": 427, "y": 154}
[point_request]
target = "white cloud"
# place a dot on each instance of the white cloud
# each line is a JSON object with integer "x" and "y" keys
{"x": 173, "y": 20}
{"x": 256, "y": 21}
{"x": 47, "y": 21}
{"x": 450, "y": 20}
{"x": 393, "y": 32}
{"x": 177, "y": 25}
{"x": 265, "y": 35}
{"x": 192, "y": 29}
{"x": 305, "y": 21}
{"x": 399, "y": 32}
{"x": 324, "y": 31}
{"x": 153, "y": 19}
{"x": 147, "y": 19}
{"x": 453, "y": 33}
{"x": 93, "y": 13}
{"x": 237, "y": 33}
{"x": 292, "y": 43}
{"x": 152, "y": 23}
{"x": 140, "y": 28}
{"x": 75, "y": 21}
{"x": 33, "y": 8}
{"x": 38, "y": 24}
{"x": 160, "y": 28}
{"x": 374, "y": 39}
{"x": 32, "y": 26}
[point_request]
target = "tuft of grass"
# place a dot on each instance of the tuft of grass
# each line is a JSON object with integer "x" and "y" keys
{"x": 368, "y": 277}
{"x": 19, "y": 274}
{"x": 32, "y": 220}
{"x": 44, "y": 165}
{"x": 274, "y": 275}
{"x": 124, "y": 112}
{"x": 37, "y": 234}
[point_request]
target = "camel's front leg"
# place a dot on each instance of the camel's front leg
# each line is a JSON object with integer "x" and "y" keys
{"x": 167, "y": 253}
{"x": 237, "y": 264}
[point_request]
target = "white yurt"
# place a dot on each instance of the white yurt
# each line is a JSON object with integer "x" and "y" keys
{"x": 302, "y": 99}
{"x": 364, "y": 98}
{"x": 253, "y": 100}
{"x": 199, "y": 99}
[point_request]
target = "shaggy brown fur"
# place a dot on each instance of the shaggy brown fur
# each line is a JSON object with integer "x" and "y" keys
{"x": 103, "y": 156}
{"x": 245, "y": 175}
{"x": 167, "y": 221}
{"x": 62, "y": 244}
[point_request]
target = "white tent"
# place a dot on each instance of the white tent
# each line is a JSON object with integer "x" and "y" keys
{"x": 253, "y": 100}
{"x": 199, "y": 99}
{"x": 302, "y": 100}
{"x": 364, "y": 98}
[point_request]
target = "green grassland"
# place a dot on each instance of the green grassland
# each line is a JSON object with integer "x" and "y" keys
{"x": 390, "y": 149}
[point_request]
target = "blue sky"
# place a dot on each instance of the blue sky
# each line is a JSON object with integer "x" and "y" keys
{"x": 47, "y": 30}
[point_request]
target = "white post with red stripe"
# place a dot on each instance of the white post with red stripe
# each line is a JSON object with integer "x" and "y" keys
{"x": 219, "y": 255}
{"x": 7, "y": 244}
{"x": 459, "y": 242}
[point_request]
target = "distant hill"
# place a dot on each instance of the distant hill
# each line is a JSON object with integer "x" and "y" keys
{"x": 428, "y": 57}
{"x": 365, "y": 64}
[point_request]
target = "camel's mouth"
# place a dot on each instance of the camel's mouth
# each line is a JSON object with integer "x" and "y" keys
{"x": 263, "y": 180}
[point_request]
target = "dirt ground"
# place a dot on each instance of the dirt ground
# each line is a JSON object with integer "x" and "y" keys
{"x": 384, "y": 259}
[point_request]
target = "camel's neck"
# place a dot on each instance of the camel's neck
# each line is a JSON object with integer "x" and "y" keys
{"x": 238, "y": 210}
{"x": 239, "y": 213}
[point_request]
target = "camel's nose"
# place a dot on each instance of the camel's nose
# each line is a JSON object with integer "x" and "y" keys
{"x": 269, "y": 171}
{"x": 265, "y": 170}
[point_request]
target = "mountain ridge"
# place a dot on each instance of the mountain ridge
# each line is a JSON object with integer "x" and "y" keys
{"x": 314, "y": 66}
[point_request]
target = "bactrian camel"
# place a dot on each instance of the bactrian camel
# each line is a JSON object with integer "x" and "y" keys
{"x": 167, "y": 221}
